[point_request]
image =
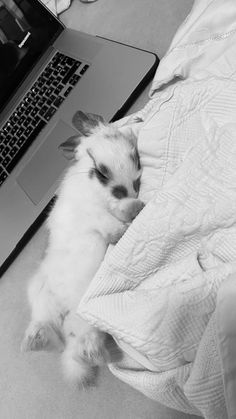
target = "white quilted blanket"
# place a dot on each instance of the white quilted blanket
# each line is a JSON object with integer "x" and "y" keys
{"x": 156, "y": 291}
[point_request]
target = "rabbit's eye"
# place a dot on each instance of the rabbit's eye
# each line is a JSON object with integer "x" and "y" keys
{"x": 102, "y": 177}
{"x": 104, "y": 171}
{"x": 101, "y": 171}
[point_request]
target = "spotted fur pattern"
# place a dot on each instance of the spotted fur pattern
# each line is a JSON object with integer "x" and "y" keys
{"x": 97, "y": 200}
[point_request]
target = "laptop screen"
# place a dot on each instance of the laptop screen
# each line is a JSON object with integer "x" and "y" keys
{"x": 26, "y": 30}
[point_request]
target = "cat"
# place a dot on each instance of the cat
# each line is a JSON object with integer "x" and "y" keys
{"x": 96, "y": 202}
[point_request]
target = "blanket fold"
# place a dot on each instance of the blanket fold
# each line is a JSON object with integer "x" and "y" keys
{"x": 157, "y": 290}
{"x": 57, "y": 6}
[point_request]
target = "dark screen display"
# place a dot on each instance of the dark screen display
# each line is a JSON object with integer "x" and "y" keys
{"x": 26, "y": 30}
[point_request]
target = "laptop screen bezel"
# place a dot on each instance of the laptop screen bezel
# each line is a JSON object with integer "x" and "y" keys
{"x": 27, "y": 64}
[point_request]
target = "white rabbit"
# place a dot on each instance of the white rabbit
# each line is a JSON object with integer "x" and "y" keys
{"x": 96, "y": 202}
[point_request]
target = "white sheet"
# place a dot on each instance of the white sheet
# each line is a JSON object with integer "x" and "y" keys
{"x": 57, "y": 6}
{"x": 156, "y": 291}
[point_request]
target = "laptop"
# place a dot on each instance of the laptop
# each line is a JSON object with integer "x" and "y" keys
{"x": 47, "y": 73}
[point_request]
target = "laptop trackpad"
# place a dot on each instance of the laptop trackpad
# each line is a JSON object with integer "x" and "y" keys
{"x": 46, "y": 165}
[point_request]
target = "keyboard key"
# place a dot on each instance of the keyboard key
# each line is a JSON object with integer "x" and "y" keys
{"x": 19, "y": 132}
{"x": 13, "y": 151}
{"x": 28, "y": 131}
{"x": 43, "y": 110}
{"x": 36, "y": 88}
{"x": 14, "y": 129}
{"x": 14, "y": 118}
{"x": 7, "y": 127}
{"x": 5, "y": 139}
{"x": 40, "y": 102}
{"x": 70, "y": 72}
{"x": 12, "y": 142}
{"x": 21, "y": 120}
{"x": 5, "y": 151}
{"x": 74, "y": 79}
{"x": 48, "y": 92}
{"x": 70, "y": 61}
{"x": 36, "y": 120}
{"x": 29, "y": 109}
{"x": 58, "y": 89}
{"x": 20, "y": 141}
{"x": 25, "y": 145}
{"x": 85, "y": 68}
{"x": 3, "y": 176}
{"x": 58, "y": 101}
{"x": 56, "y": 60}
{"x": 63, "y": 71}
{"x": 6, "y": 161}
{"x": 67, "y": 92}
{"x": 34, "y": 111}
{"x": 49, "y": 102}
{"x": 27, "y": 121}
{"x": 49, "y": 114}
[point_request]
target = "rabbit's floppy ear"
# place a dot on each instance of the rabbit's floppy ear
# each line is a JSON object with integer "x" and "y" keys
{"x": 86, "y": 122}
{"x": 69, "y": 146}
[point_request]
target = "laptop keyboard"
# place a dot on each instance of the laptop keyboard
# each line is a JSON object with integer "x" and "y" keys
{"x": 37, "y": 108}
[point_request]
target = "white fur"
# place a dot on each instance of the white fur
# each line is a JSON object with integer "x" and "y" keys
{"x": 84, "y": 220}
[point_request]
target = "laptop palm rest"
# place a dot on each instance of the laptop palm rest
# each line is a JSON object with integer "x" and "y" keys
{"x": 46, "y": 165}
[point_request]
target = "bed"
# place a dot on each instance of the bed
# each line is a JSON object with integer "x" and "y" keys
{"x": 166, "y": 292}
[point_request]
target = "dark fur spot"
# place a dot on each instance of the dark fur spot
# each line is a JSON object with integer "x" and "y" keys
{"x": 104, "y": 170}
{"x": 101, "y": 177}
{"x": 119, "y": 192}
{"x": 95, "y": 172}
{"x": 101, "y": 171}
{"x": 135, "y": 158}
{"x": 136, "y": 184}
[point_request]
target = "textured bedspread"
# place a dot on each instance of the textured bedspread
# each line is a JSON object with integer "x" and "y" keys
{"x": 157, "y": 290}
